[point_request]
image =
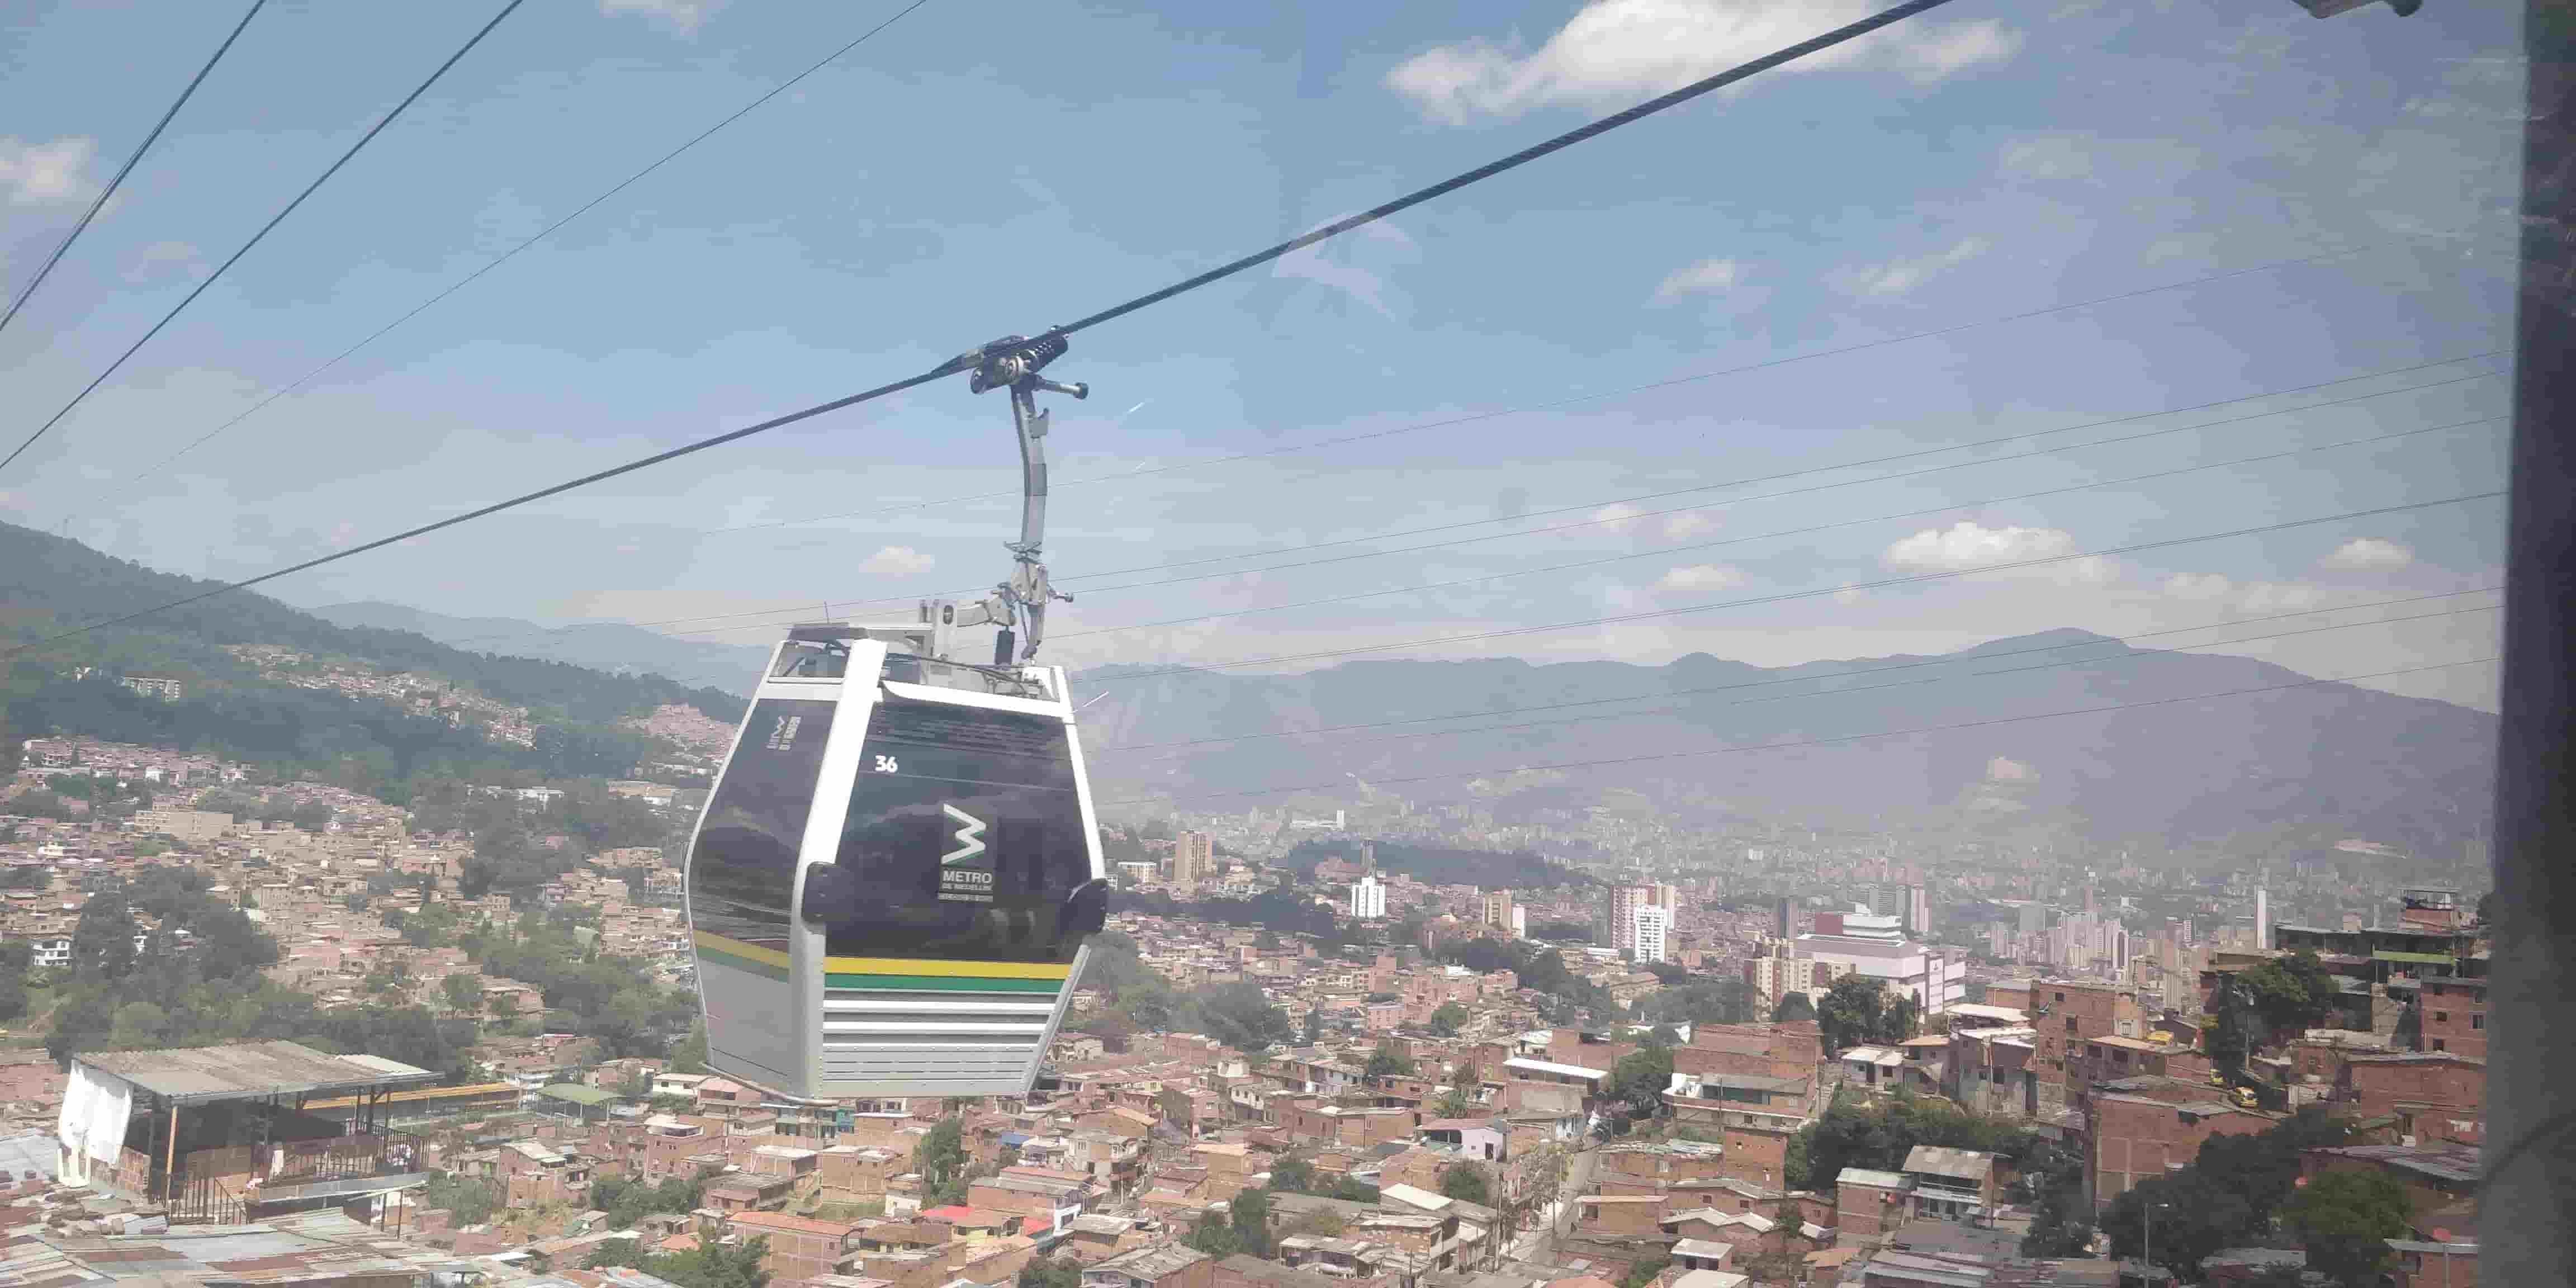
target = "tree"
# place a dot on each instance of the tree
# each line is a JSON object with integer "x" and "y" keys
{"x": 16, "y": 959}
{"x": 2293, "y": 992}
{"x": 1855, "y": 1010}
{"x": 1215, "y": 1236}
{"x": 2052, "y": 1183}
{"x": 1388, "y": 1061}
{"x": 470, "y": 1199}
{"x": 1642, "y": 1273}
{"x": 1313, "y": 1032}
{"x": 103, "y": 938}
{"x": 1238, "y": 1014}
{"x": 1793, "y": 1007}
{"x": 1639, "y": 1080}
{"x": 1293, "y": 1174}
{"x": 1050, "y": 1272}
{"x": 1448, "y": 1019}
{"x": 1250, "y": 1220}
{"x": 2190, "y": 1223}
{"x": 1468, "y": 1183}
{"x": 463, "y": 991}
{"x": 1454, "y": 1103}
{"x": 2224, "y": 1036}
{"x": 2343, "y": 1219}
{"x": 941, "y": 1161}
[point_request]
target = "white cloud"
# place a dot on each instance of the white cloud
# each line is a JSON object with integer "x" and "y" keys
{"x": 42, "y": 174}
{"x": 897, "y": 561}
{"x": 1956, "y": 48}
{"x": 1700, "y": 577}
{"x": 1687, "y": 524}
{"x": 2252, "y": 597}
{"x": 2198, "y": 587}
{"x": 1900, "y": 276}
{"x": 1965, "y": 545}
{"x": 2370, "y": 554}
{"x": 1619, "y": 51}
{"x": 1618, "y": 518}
{"x": 1707, "y": 277}
{"x": 2050, "y": 156}
{"x": 1325, "y": 263}
{"x": 1849, "y": 595}
{"x": 681, "y": 16}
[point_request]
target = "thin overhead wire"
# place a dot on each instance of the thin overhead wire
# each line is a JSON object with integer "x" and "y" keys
{"x": 968, "y": 360}
{"x": 1077, "y": 581}
{"x": 513, "y": 253}
{"x": 265, "y": 229}
{"x": 1809, "y": 742}
{"x": 1667, "y": 552}
{"x": 46, "y": 269}
{"x": 1788, "y": 596}
{"x": 485, "y": 511}
{"x": 1574, "y": 400}
{"x": 1705, "y": 85}
{"x": 2126, "y": 641}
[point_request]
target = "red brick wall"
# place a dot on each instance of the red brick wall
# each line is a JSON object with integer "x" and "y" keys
{"x": 2134, "y": 1140}
{"x": 1756, "y": 1154}
{"x": 2456, "y": 1017}
{"x": 2376, "y": 1086}
{"x": 1866, "y": 1212}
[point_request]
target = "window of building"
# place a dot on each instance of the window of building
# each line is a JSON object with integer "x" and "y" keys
{"x": 2441, "y": 1017}
{"x": 2439, "y": 1045}
{"x": 2070, "y": 1024}
{"x": 2061, "y": 997}
{"x": 2477, "y": 1021}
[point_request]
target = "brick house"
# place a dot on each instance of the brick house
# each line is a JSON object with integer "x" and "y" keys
{"x": 1869, "y": 1203}
{"x": 799, "y": 1247}
{"x": 2454, "y": 1015}
{"x": 1164, "y": 1265}
{"x": 2133, "y": 1137}
{"x": 533, "y": 1175}
{"x": 2065, "y": 1012}
{"x": 2379, "y": 1084}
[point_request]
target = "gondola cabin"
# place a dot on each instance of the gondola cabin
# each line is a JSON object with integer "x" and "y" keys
{"x": 896, "y": 873}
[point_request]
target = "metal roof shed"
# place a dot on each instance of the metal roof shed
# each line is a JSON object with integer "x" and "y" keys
{"x": 251, "y": 1070}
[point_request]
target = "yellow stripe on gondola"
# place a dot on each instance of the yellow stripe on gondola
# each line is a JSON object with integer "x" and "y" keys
{"x": 737, "y": 948}
{"x": 889, "y": 965}
{"x": 969, "y": 970}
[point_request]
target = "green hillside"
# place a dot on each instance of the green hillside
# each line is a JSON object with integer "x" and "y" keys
{"x": 229, "y": 708}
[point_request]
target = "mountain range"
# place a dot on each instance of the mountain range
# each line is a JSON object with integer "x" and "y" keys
{"x": 614, "y": 647}
{"x": 2064, "y": 732}
{"x": 2157, "y": 746}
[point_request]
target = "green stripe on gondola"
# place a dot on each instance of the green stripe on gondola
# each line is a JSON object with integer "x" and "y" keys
{"x": 943, "y": 984}
{"x": 748, "y": 965}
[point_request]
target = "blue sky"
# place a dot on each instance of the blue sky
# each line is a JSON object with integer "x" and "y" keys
{"x": 962, "y": 176}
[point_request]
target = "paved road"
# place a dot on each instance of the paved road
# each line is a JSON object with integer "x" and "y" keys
{"x": 1539, "y": 1244}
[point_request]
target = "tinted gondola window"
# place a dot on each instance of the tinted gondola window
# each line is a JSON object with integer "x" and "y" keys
{"x": 967, "y": 836}
{"x": 742, "y": 873}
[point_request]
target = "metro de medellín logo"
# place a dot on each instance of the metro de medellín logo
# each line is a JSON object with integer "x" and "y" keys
{"x": 969, "y": 836}
{"x": 966, "y": 873}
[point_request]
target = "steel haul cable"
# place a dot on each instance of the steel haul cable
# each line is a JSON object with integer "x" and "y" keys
{"x": 966, "y": 361}
{"x": 46, "y": 269}
{"x": 265, "y": 229}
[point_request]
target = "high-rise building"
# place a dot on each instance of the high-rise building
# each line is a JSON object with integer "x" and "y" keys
{"x": 1918, "y": 911}
{"x": 1624, "y": 902}
{"x": 1784, "y": 922}
{"x": 1649, "y": 932}
{"x": 1368, "y": 899}
{"x": 1498, "y": 911}
{"x": 1193, "y": 858}
{"x": 1520, "y": 922}
{"x": 1874, "y": 944}
{"x": 2262, "y": 918}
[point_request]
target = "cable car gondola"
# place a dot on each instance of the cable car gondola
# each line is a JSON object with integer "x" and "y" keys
{"x": 898, "y": 869}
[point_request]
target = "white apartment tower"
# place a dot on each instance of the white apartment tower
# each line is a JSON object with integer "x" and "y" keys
{"x": 1368, "y": 899}
{"x": 1649, "y": 928}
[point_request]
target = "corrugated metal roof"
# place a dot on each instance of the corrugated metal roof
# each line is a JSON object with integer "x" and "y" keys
{"x": 195, "y": 1074}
